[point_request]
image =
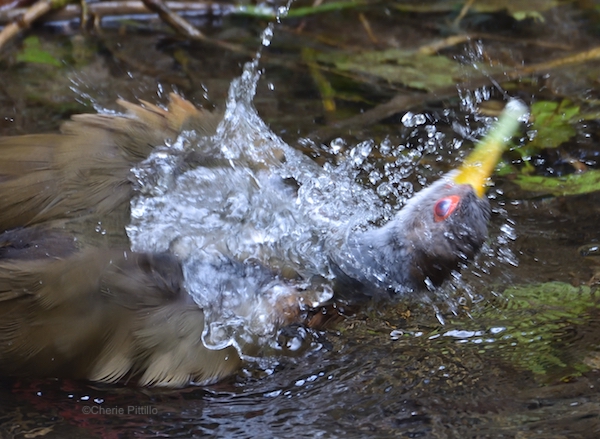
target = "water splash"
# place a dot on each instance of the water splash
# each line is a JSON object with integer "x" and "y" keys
{"x": 253, "y": 224}
{"x": 254, "y": 221}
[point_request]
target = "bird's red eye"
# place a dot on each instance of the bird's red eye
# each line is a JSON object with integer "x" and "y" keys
{"x": 444, "y": 207}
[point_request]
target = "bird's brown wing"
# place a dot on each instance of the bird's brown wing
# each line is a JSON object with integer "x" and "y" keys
{"x": 85, "y": 169}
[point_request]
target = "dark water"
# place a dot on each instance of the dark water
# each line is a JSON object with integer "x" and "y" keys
{"x": 512, "y": 359}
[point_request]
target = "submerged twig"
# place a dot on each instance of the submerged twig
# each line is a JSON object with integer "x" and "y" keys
{"x": 325, "y": 88}
{"x": 22, "y": 19}
{"x": 367, "y": 26}
{"x": 578, "y": 58}
{"x": 121, "y": 8}
{"x": 396, "y": 104}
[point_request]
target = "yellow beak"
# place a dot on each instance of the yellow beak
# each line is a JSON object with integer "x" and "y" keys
{"x": 479, "y": 165}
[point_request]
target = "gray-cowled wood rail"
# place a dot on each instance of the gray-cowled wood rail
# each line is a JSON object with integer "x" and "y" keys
{"x": 81, "y": 305}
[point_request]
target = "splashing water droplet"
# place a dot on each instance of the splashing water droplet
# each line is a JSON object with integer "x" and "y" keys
{"x": 359, "y": 153}
{"x": 337, "y": 145}
{"x": 267, "y": 36}
{"x": 411, "y": 120}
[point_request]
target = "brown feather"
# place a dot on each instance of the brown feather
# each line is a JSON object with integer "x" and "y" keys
{"x": 104, "y": 315}
{"x": 77, "y": 303}
{"x": 85, "y": 169}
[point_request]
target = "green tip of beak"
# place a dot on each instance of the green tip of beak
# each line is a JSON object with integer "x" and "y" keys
{"x": 479, "y": 165}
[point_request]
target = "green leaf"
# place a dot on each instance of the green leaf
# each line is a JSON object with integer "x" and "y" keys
{"x": 552, "y": 122}
{"x": 572, "y": 184}
{"x": 519, "y": 9}
{"x": 416, "y": 70}
{"x": 33, "y": 53}
{"x": 551, "y": 301}
{"x": 522, "y": 15}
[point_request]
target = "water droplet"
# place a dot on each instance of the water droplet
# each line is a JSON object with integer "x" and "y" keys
{"x": 411, "y": 119}
{"x": 396, "y": 334}
{"x": 267, "y": 36}
{"x": 337, "y": 145}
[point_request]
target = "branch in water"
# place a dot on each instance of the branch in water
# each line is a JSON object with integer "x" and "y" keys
{"x": 30, "y": 15}
{"x": 21, "y": 19}
{"x": 178, "y": 23}
{"x": 123, "y": 8}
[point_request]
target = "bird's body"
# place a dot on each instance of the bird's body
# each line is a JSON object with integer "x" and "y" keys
{"x": 75, "y": 301}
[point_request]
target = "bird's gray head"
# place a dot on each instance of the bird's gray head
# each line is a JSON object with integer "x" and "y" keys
{"x": 436, "y": 232}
